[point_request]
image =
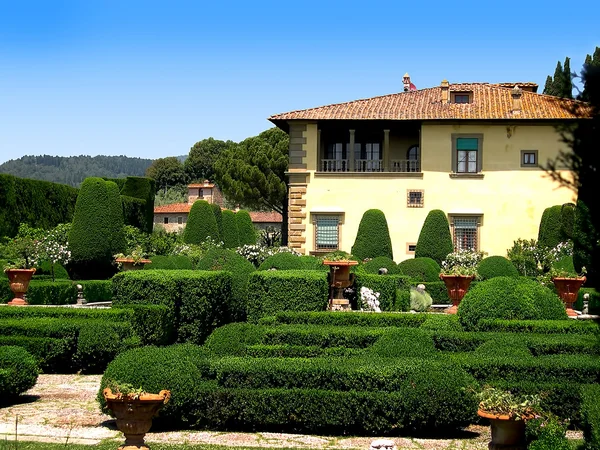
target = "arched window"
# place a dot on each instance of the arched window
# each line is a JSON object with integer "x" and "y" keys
{"x": 412, "y": 156}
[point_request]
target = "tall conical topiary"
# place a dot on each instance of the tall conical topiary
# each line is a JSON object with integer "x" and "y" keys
{"x": 246, "y": 230}
{"x": 435, "y": 240}
{"x": 550, "y": 231}
{"x": 97, "y": 232}
{"x": 373, "y": 236}
{"x": 231, "y": 236}
{"x": 219, "y": 218}
{"x": 201, "y": 224}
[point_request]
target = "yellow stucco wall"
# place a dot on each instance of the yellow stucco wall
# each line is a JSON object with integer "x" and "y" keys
{"x": 510, "y": 198}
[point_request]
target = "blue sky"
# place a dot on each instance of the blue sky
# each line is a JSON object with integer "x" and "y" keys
{"x": 149, "y": 78}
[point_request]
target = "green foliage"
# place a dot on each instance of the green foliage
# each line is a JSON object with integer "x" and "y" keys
{"x": 567, "y": 221}
{"x": 560, "y": 85}
{"x": 245, "y": 227}
{"x": 550, "y": 231}
{"x": 419, "y": 301}
{"x": 509, "y": 298}
{"x": 231, "y": 235}
{"x": 420, "y": 269}
{"x": 373, "y": 266}
{"x": 219, "y": 218}
{"x": 201, "y": 224}
{"x": 284, "y": 261}
{"x": 547, "y": 434}
{"x": 134, "y": 210}
{"x": 590, "y": 415}
{"x": 291, "y": 290}
{"x": 496, "y": 266}
{"x": 197, "y": 300}
{"x": 166, "y": 172}
{"x": 232, "y": 339}
{"x": 18, "y": 371}
{"x": 386, "y": 285}
{"x": 240, "y": 269}
{"x": 152, "y": 324}
{"x": 201, "y": 159}
{"x": 172, "y": 194}
{"x": 539, "y": 326}
{"x": 44, "y": 268}
{"x": 39, "y": 204}
{"x": 142, "y": 188}
{"x": 434, "y": 241}
{"x": 97, "y": 231}
{"x": 373, "y": 236}
{"x": 171, "y": 262}
{"x": 338, "y": 318}
{"x": 585, "y": 238}
{"x": 97, "y": 290}
{"x": 405, "y": 342}
{"x": 441, "y": 322}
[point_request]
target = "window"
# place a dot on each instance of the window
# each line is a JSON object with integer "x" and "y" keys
{"x": 529, "y": 158}
{"x": 467, "y": 153}
{"x": 165, "y": 220}
{"x": 200, "y": 193}
{"x": 327, "y": 232}
{"x": 411, "y": 247}
{"x": 412, "y": 159}
{"x": 415, "y": 198}
{"x": 179, "y": 220}
{"x": 461, "y": 97}
{"x": 465, "y": 232}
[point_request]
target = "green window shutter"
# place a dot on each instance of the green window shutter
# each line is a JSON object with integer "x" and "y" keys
{"x": 467, "y": 143}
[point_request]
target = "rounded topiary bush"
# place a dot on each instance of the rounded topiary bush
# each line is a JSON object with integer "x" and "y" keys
{"x": 18, "y": 371}
{"x": 420, "y": 269}
{"x": 232, "y": 339}
{"x": 435, "y": 241}
{"x": 240, "y": 268}
{"x": 201, "y": 224}
{"x": 231, "y": 235}
{"x": 509, "y": 298}
{"x": 380, "y": 262}
{"x": 157, "y": 368}
{"x": 219, "y": 218}
{"x": 313, "y": 263}
{"x": 97, "y": 232}
{"x": 496, "y": 266}
{"x": 45, "y": 269}
{"x": 373, "y": 236}
{"x": 283, "y": 261}
{"x": 245, "y": 227}
{"x": 171, "y": 262}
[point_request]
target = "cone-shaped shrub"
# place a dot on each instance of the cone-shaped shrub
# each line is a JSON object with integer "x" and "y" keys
{"x": 435, "y": 241}
{"x": 550, "y": 231}
{"x": 201, "y": 224}
{"x": 373, "y": 236}
{"x": 245, "y": 227}
{"x": 219, "y": 218}
{"x": 231, "y": 238}
{"x": 97, "y": 232}
{"x": 567, "y": 220}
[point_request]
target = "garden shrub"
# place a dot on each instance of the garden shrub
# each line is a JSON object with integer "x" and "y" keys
{"x": 290, "y": 290}
{"x": 152, "y": 324}
{"x": 142, "y": 188}
{"x": 438, "y": 291}
{"x": 340, "y": 318}
{"x": 496, "y": 266}
{"x": 43, "y": 292}
{"x": 219, "y": 218}
{"x": 420, "y": 269}
{"x": 197, "y": 300}
{"x": 134, "y": 210}
{"x": 590, "y": 416}
{"x": 96, "y": 290}
{"x": 509, "y": 298}
{"x": 109, "y": 314}
{"x": 384, "y": 284}
{"x": 310, "y": 262}
{"x": 52, "y": 355}
{"x": 170, "y": 262}
{"x": 539, "y": 326}
{"x": 232, "y": 339}
{"x": 201, "y": 224}
{"x": 231, "y": 235}
{"x": 404, "y": 342}
{"x": 45, "y": 269}
{"x": 299, "y": 351}
{"x": 402, "y": 300}
{"x": 39, "y": 204}
{"x": 550, "y": 231}
{"x": 547, "y": 434}
{"x": 323, "y": 336}
{"x": 585, "y": 243}
{"x": 240, "y": 269}
{"x": 434, "y": 241}
{"x": 373, "y": 236}
{"x": 283, "y": 261}
{"x": 18, "y": 371}
{"x": 593, "y": 300}
{"x": 97, "y": 231}
{"x": 441, "y": 322}
{"x": 504, "y": 348}
{"x": 247, "y": 233}
{"x": 372, "y": 266}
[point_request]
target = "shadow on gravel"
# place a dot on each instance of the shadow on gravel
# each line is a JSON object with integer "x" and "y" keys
{"x": 18, "y": 400}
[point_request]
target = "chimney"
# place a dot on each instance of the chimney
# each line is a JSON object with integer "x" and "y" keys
{"x": 516, "y": 94}
{"x": 445, "y": 92}
{"x": 406, "y": 81}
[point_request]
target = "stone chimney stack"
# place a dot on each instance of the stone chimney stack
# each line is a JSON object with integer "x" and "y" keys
{"x": 445, "y": 92}
{"x": 406, "y": 81}
{"x": 517, "y": 104}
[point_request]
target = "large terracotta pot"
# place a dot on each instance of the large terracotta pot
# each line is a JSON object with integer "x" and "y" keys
{"x": 134, "y": 415}
{"x": 568, "y": 289}
{"x": 340, "y": 278}
{"x": 507, "y": 432}
{"x": 19, "y": 283}
{"x": 457, "y": 286}
{"x": 130, "y": 264}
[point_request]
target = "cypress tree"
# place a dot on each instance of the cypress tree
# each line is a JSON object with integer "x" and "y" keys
{"x": 231, "y": 237}
{"x": 435, "y": 240}
{"x": 246, "y": 230}
{"x": 373, "y": 236}
{"x": 566, "y": 80}
{"x": 219, "y": 218}
{"x": 558, "y": 85}
{"x": 201, "y": 224}
{"x": 548, "y": 87}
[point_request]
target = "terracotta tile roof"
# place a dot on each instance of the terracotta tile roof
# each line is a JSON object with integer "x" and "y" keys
{"x": 490, "y": 102}
{"x": 173, "y": 208}
{"x": 201, "y": 185}
{"x": 184, "y": 208}
{"x": 265, "y": 217}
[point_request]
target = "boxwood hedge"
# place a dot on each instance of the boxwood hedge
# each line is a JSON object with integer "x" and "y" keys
{"x": 339, "y": 318}
{"x": 420, "y": 269}
{"x": 373, "y": 236}
{"x": 496, "y": 266}
{"x": 245, "y": 227}
{"x": 18, "y": 371}
{"x": 590, "y": 415}
{"x": 434, "y": 241}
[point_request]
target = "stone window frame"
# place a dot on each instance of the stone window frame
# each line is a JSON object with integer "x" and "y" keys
{"x": 479, "y": 223}
{"x": 535, "y": 156}
{"x": 314, "y": 219}
{"x": 408, "y": 246}
{"x": 420, "y": 203}
{"x": 455, "y": 137}
{"x": 461, "y": 94}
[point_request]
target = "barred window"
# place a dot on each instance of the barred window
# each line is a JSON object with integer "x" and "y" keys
{"x": 465, "y": 230}
{"x": 327, "y": 232}
{"x": 415, "y": 198}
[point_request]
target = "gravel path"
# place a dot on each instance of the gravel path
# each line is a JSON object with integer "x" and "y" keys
{"x": 63, "y": 408}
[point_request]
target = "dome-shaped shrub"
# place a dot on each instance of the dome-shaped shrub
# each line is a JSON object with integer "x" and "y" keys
{"x": 313, "y": 263}
{"x": 246, "y": 230}
{"x": 434, "y": 241}
{"x": 283, "y": 261}
{"x": 240, "y": 268}
{"x": 18, "y": 371}
{"x": 375, "y": 264}
{"x": 420, "y": 269}
{"x": 496, "y": 266}
{"x": 373, "y": 236}
{"x": 97, "y": 232}
{"x": 509, "y": 298}
{"x": 219, "y": 218}
{"x": 201, "y": 224}
{"x": 231, "y": 235}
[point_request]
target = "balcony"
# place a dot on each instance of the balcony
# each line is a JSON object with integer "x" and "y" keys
{"x": 370, "y": 166}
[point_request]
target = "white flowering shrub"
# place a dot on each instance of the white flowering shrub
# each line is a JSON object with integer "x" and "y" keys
{"x": 462, "y": 262}
{"x": 369, "y": 300}
{"x": 257, "y": 253}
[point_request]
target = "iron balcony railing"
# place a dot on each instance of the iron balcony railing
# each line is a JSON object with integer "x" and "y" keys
{"x": 370, "y": 165}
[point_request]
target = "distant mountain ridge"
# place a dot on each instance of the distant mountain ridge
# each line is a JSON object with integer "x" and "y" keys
{"x": 72, "y": 170}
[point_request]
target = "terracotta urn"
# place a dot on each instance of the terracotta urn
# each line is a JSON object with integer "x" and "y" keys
{"x": 341, "y": 268}
{"x": 134, "y": 415}
{"x": 457, "y": 286}
{"x": 131, "y": 264}
{"x": 507, "y": 432}
{"x": 568, "y": 290}
{"x": 18, "y": 280}
{"x": 340, "y": 278}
